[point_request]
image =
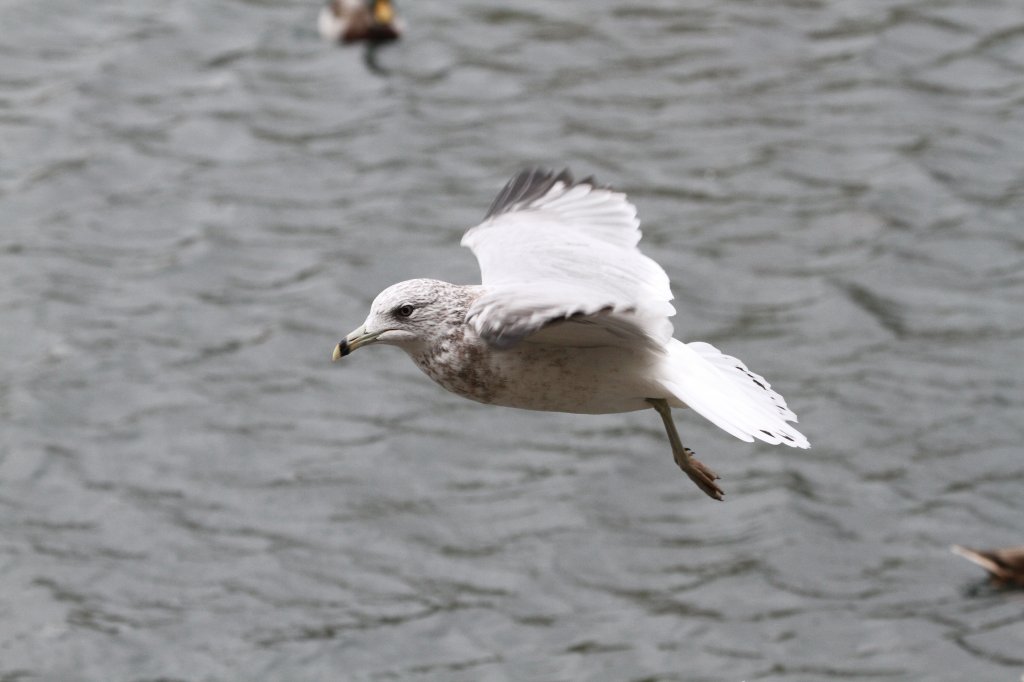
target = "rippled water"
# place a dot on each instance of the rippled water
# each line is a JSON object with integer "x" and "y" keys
{"x": 197, "y": 198}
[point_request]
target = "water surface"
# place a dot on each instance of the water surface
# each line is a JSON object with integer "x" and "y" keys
{"x": 197, "y": 198}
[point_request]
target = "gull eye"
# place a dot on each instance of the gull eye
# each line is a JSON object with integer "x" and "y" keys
{"x": 404, "y": 310}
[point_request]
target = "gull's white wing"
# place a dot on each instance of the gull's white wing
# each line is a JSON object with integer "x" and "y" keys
{"x": 559, "y": 263}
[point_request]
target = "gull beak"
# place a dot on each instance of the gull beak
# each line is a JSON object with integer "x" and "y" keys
{"x": 383, "y": 12}
{"x": 356, "y": 339}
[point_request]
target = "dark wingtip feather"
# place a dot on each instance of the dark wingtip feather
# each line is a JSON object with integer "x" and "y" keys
{"x": 530, "y": 184}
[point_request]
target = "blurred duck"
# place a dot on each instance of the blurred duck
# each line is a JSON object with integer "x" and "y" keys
{"x": 349, "y": 21}
{"x": 1006, "y": 566}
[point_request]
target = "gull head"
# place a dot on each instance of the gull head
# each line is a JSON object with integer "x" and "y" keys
{"x": 410, "y": 315}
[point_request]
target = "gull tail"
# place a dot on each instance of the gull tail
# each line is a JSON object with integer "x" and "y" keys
{"x": 721, "y": 389}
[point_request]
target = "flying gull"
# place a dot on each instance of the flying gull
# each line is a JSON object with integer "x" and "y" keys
{"x": 571, "y": 317}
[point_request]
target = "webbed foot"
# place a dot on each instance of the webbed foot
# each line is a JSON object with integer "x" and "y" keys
{"x": 701, "y": 475}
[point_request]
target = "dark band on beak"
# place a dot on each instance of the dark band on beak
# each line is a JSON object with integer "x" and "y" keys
{"x": 354, "y": 341}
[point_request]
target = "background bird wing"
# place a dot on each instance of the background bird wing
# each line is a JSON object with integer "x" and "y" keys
{"x": 559, "y": 264}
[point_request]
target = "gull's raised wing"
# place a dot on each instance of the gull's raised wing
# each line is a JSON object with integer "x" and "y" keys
{"x": 559, "y": 264}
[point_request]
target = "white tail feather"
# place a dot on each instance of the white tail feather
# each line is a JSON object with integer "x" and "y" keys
{"x": 721, "y": 389}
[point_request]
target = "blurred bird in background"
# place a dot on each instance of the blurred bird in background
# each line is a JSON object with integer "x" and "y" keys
{"x": 350, "y": 21}
{"x": 1005, "y": 566}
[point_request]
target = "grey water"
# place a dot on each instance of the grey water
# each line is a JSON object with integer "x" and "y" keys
{"x": 199, "y": 197}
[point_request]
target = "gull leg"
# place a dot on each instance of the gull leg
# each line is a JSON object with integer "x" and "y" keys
{"x": 698, "y": 473}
